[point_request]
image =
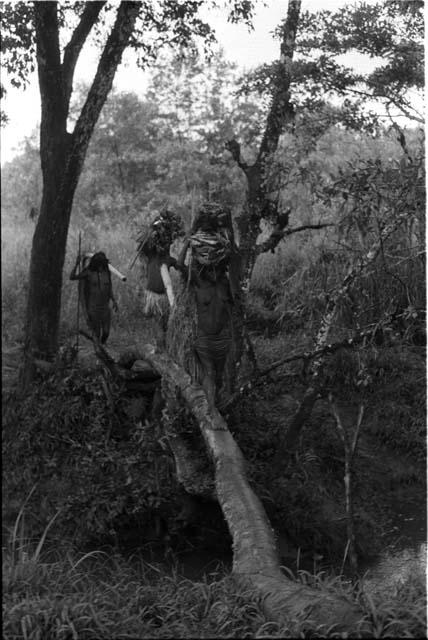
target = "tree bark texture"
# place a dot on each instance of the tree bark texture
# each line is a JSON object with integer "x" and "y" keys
{"x": 281, "y": 112}
{"x": 62, "y": 156}
{"x": 258, "y": 203}
{"x": 255, "y": 558}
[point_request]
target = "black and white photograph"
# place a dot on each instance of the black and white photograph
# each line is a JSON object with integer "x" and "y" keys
{"x": 213, "y": 267}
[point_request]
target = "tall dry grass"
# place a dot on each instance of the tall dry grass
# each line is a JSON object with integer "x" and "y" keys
{"x": 117, "y": 242}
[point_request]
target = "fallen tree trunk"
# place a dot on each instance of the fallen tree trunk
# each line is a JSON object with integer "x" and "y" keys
{"x": 192, "y": 471}
{"x": 256, "y": 561}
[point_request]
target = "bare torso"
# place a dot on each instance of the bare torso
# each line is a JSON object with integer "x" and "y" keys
{"x": 213, "y": 302}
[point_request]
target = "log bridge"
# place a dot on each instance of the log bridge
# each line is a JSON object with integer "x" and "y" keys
{"x": 256, "y": 562}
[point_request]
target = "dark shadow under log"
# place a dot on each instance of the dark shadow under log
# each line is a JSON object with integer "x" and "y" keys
{"x": 256, "y": 561}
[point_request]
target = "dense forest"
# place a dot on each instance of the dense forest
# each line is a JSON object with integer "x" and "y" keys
{"x": 111, "y": 530}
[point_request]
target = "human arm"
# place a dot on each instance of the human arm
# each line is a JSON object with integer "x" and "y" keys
{"x": 78, "y": 276}
{"x": 113, "y": 299}
{"x": 179, "y": 264}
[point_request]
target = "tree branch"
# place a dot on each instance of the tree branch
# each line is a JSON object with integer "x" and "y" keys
{"x": 235, "y": 149}
{"x": 53, "y": 109}
{"x": 400, "y": 135}
{"x": 354, "y": 272}
{"x": 307, "y": 356}
{"x": 279, "y": 234}
{"x": 109, "y": 61}
{"x": 312, "y": 391}
{"x": 73, "y": 48}
{"x": 281, "y": 109}
{"x": 404, "y": 107}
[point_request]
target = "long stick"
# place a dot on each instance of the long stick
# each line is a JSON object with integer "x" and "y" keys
{"x": 78, "y": 296}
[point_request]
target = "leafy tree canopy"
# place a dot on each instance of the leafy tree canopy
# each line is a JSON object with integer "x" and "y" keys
{"x": 391, "y": 29}
{"x": 178, "y": 25}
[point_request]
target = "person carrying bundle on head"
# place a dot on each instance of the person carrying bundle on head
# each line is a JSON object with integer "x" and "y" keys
{"x": 209, "y": 272}
{"x": 154, "y": 250}
{"x": 95, "y": 292}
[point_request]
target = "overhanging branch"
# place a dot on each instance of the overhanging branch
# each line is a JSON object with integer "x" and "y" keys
{"x": 109, "y": 61}
{"x": 235, "y": 149}
{"x": 307, "y": 356}
{"x": 279, "y": 234}
{"x": 311, "y": 394}
{"x": 73, "y": 48}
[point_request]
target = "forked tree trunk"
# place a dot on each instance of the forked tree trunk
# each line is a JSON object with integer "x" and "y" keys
{"x": 45, "y": 280}
{"x": 62, "y": 156}
{"x": 259, "y": 204}
{"x": 256, "y": 561}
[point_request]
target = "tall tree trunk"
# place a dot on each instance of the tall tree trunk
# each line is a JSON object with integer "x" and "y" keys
{"x": 47, "y": 262}
{"x": 62, "y": 157}
{"x": 258, "y": 202}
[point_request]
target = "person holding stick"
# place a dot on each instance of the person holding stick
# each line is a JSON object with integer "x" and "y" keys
{"x": 96, "y": 291}
{"x": 153, "y": 251}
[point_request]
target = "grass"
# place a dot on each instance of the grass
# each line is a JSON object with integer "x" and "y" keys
{"x": 61, "y": 594}
{"x": 117, "y": 242}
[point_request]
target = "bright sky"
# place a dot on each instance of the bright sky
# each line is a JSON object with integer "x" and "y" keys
{"x": 247, "y": 49}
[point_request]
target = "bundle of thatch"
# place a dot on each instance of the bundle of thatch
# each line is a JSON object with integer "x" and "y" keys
{"x": 181, "y": 331}
{"x": 212, "y": 235}
{"x": 158, "y": 237}
{"x": 211, "y": 217}
{"x": 210, "y": 249}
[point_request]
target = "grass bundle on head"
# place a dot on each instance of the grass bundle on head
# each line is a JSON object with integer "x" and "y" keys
{"x": 212, "y": 217}
{"x": 210, "y": 249}
{"x": 212, "y": 235}
{"x": 160, "y": 234}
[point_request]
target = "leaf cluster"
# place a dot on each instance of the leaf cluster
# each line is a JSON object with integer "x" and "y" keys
{"x": 388, "y": 33}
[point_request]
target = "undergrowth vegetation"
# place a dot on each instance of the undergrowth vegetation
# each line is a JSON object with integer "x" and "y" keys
{"x": 91, "y": 465}
{"x": 103, "y": 477}
{"x": 99, "y": 595}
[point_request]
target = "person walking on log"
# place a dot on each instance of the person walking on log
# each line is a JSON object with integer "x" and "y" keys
{"x": 96, "y": 291}
{"x": 211, "y": 247}
{"x": 154, "y": 252}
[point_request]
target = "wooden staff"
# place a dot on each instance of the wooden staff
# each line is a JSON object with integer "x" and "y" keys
{"x": 78, "y": 295}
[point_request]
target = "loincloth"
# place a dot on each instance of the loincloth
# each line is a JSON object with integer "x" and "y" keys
{"x": 213, "y": 348}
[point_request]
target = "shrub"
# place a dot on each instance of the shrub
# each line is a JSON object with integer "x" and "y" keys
{"x": 96, "y": 466}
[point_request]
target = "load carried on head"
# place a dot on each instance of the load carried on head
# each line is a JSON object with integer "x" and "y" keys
{"x": 210, "y": 248}
{"x": 211, "y": 240}
{"x": 161, "y": 233}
